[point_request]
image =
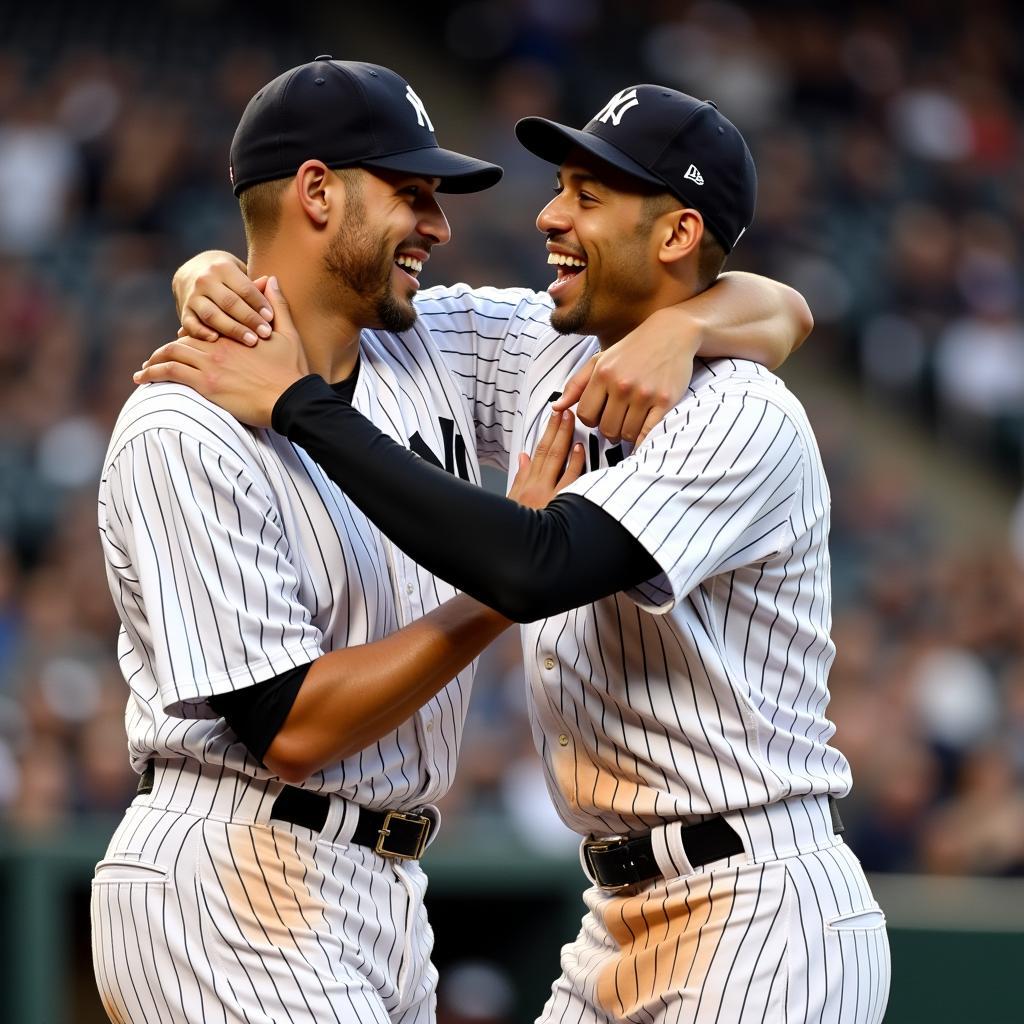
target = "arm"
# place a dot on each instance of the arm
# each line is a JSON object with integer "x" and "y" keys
{"x": 627, "y": 389}
{"x": 352, "y": 697}
{"x": 624, "y": 391}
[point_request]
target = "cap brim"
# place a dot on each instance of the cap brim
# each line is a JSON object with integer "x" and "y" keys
{"x": 458, "y": 173}
{"x": 553, "y": 142}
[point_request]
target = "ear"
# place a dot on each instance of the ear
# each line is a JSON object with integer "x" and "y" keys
{"x": 316, "y": 189}
{"x": 683, "y": 231}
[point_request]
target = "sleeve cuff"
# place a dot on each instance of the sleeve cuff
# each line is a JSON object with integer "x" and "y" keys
{"x": 291, "y": 402}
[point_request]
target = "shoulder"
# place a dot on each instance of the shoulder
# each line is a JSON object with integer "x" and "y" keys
{"x": 501, "y": 305}
{"x": 161, "y": 410}
{"x": 733, "y": 380}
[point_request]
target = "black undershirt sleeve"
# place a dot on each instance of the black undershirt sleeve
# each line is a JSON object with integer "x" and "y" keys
{"x": 525, "y": 563}
{"x": 256, "y": 713}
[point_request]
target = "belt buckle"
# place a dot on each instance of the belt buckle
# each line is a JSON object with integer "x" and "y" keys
{"x": 421, "y": 820}
{"x": 600, "y": 846}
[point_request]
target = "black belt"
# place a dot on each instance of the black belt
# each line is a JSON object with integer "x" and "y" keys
{"x": 400, "y": 834}
{"x": 622, "y": 860}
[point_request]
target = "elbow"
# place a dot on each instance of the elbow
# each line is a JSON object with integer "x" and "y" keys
{"x": 291, "y": 762}
{"x": 803, "y": 320}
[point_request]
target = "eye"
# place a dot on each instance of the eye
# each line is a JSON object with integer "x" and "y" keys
{"x": 411, "y": 190}
{"x": 586, "y": 197}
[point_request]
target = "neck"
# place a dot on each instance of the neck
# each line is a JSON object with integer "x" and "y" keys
{"x": 671, "y": 293}
{"x": 330, "y": 338}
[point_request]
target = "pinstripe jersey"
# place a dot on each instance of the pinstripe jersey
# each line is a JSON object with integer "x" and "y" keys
{"x": 232, "y": 558}
{"x": 703, "y": 690}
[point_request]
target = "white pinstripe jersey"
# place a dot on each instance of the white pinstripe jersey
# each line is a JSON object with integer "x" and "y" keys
{"x": 232, "y": 558}
{"x": 703, "y": 690}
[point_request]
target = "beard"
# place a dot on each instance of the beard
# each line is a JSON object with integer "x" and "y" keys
{"x": 574, "y": 318}
{"x": 358, "y": 267}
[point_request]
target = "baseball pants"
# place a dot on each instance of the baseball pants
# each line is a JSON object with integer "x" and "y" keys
{"x": 224, "y": 916}
{"x": 785, "y": 933}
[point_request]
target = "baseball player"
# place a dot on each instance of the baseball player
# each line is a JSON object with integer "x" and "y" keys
{"x": 677, "y": 598}
{"x": 298, "y": 685}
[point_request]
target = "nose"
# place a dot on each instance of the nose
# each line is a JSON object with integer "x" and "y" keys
{"x": 433, "y": 223}
{"x": 554, "y": 219}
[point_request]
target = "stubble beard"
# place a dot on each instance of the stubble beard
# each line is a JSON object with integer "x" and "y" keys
{"x": 573, "y": 319}
{"x": 360, "y": 267}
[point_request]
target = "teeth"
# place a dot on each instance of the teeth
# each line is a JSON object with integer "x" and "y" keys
{"x": 560, "y": 260}
{"x": 409, "y": 263}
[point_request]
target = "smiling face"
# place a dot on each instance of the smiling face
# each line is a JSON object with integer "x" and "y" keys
{"x": 602, "y": 239}
{"x": 371, "y": 264}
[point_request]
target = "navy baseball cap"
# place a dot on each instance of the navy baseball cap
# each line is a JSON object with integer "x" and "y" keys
{"x": 663, "y": 137}
{"x": 347, "y": 114}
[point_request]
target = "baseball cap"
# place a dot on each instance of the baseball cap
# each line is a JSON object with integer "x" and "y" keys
{"x": 664, "y": 137}
{"x": 347, "y": 114}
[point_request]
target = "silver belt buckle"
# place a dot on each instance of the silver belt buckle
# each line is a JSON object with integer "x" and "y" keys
{"x": 418, "y": 820}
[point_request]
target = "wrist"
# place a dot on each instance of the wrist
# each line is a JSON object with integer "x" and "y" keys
{"x": 289, "y": 401}
{"x": 685, "y": 326}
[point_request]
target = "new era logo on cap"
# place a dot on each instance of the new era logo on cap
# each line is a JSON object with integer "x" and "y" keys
{"x": 694, "y": 175}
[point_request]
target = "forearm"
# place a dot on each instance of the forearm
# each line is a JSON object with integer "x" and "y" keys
{"x": 527, "y": 563}
{"x": 747, "y": 317}
{"x": 352, "y": 697}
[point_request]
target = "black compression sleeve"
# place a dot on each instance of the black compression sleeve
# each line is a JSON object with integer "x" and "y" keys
{"x": 256, "y": 713}
{"x": 525, "y": 563}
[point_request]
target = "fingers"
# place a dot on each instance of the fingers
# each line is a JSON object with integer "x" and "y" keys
{"x": 558, "y": 451}
{"x": 573, "y": 468}
{"x": 576, "y": 386}
{"x": 281, "y": 310}
{"x": 654, "y": 417}
{"x": 183, "y": 350}
{"x": 540, "y": 453}
{"x": 178, "y": 373}
{"x": 522, "y": 476}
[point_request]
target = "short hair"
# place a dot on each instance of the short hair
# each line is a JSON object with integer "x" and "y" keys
{"x": 711, "y": 256}
{"x": 261, "y": 203}
{"x": 261, "y": 209}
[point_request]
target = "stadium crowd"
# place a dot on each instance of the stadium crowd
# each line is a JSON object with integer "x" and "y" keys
{"x": 889, "y": 145}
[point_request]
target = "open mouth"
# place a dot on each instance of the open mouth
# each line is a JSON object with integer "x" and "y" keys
{"x": 410, "y": 266}
{"x": 569, "y": 268}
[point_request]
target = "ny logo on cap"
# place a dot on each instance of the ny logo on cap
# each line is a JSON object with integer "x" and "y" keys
{"x": 623, "y": 100}
{"x": 422, "y": 117}
{"x": 694, "y": 175}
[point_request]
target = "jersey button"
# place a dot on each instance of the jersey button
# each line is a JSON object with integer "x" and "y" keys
{"x": 409, "y": 588}
{"x": 563, "y": 740}
{"x": 549, "y": 663}
{"x": 430, "y": 726}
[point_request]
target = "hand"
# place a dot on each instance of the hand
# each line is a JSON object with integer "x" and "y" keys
{"x": 215, "y": 297}
{"x": 539, "y": 479}
{"x": 246, "y": 382}
{"x": 626, "y": 390}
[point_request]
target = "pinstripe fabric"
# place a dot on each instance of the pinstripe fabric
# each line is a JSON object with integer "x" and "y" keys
{"x": 703, "y": 691}
{"x": 231, "y": 557}
{"x": 231, "y": 917}
{"x": 781, "y": 941}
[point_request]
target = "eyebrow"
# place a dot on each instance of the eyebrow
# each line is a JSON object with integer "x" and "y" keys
{"x": 581, "y": 178}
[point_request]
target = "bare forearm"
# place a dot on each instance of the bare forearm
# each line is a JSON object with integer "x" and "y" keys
{"x": 750, "y": 317}
{"x": 352, "y": 697}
